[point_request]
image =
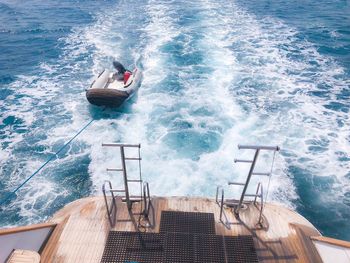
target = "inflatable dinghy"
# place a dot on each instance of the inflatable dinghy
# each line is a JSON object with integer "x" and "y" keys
{"x": 111, "y": 90}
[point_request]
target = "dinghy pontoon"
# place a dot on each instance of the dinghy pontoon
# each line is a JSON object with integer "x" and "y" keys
{"x": 112, "y": 89}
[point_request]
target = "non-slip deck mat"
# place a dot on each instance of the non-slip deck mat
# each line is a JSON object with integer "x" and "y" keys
{"x": 187, "y": 222}
{"x": 123, "y": 247}
{"x": 144, "y": 247}
{"x": 209, "y": 248}
{"x": 179, "y": 247}
{"x": 240, "y": 249}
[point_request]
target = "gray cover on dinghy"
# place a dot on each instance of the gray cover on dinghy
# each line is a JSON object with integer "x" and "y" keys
{"x": 106, "y": 97}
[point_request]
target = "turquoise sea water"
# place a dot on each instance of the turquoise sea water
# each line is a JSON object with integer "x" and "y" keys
{"x": 216, "y": 73}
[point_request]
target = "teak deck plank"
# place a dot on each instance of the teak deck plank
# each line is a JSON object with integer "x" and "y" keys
{"x": 83, "y": 226}
{"x": 332, "y": 241}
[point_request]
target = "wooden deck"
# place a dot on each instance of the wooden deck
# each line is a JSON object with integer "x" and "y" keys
{"x": 83, "y": 228}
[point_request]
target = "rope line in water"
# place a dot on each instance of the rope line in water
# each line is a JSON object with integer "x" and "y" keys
{"x": 42, "y": 166}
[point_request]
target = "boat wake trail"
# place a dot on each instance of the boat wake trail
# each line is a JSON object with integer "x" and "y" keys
{"x": 214, "y": 76}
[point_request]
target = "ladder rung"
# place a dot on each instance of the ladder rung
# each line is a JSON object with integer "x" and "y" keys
{"x": 242, "y": 161}
{"x": 252, "y": 195}
{"x": 135, "y": 196}
{"x": 133, "y": 158}
{"x": 233, "y": 183}
{"x": 124, "y": 220}
{"x": 114, "y": 170}
{"x": 121, "y": 145}
{"x": 134, "y": 180}
{"x": 133, "y": 199}
{"x": 137, "y": 214}
{"x": 259, "y": 147}
{"x": 117, "y": 190}
{"x": 267, "y": 174}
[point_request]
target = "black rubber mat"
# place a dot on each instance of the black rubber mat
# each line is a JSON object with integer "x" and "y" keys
{"x": 177, "y": 247}
{"x": 187, "y": 222}
{"x": 209, "y": 248}
{"x": 145, "y": 248}
{"x": 122, "y": 247}
{"x": 240, "y": 249}
{"x": 115, "y": 248}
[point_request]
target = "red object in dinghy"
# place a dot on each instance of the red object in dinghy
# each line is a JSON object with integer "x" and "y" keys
{"x": 127, "y": 75}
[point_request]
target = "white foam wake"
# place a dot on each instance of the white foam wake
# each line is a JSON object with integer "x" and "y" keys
{"x": 213, "y": 77}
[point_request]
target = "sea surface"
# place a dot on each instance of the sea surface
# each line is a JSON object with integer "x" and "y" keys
{"x": 215, "y": 74}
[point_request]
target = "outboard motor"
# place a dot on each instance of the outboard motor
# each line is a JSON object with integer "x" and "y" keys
{"x": 119, "y": 67}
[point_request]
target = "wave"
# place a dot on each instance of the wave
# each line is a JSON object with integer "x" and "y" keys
{"x": 213, "y": 78}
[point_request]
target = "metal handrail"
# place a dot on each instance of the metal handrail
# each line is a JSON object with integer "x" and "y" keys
{"x": 122, "y": 145}
{"x": 146, "y": 199}
{"x": 261, "y": 195}
{"x": 217, "y": 194}
{"x": 112, "y": 208}
{"x": 259, "y": 191}
{"x": 258, "y": 147}
{"x": 123, "y": 168}
{"x": 221, "y": 202}
{"x": 247, "y": 181}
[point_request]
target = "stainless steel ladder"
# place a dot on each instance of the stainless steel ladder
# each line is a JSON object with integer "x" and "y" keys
{"x": 144, "y": 197}
{"x": 259, "y": 190}
{"x": 112, "y": 208}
